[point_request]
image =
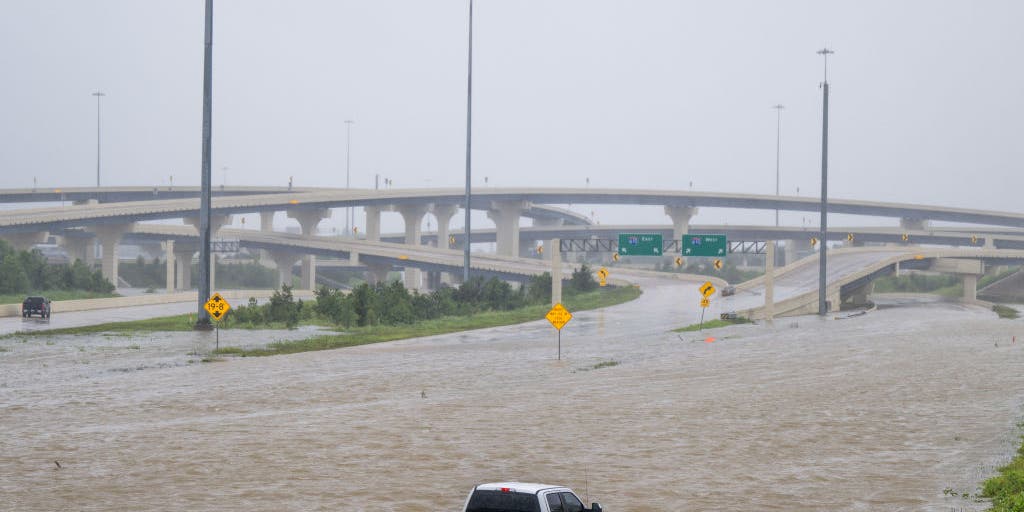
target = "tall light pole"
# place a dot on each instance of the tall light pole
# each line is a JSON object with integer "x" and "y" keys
{"x": 778, "y": 152}
{"x": 202, "y": 317}
{"x": 822, "y": 266}
{"x": 348, "y": 165}
{"x": 469, "y": 146}
{"x": 98, "y": 94}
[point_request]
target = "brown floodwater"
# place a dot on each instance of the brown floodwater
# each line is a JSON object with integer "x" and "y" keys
{"x": 884, "y": 411}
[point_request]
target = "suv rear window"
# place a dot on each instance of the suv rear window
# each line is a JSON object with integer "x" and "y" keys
{"x": 34, "y": 301}
{"x": 497, "y": 501}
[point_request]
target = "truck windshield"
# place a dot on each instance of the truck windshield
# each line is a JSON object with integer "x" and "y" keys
{"x": 497, "y": 501}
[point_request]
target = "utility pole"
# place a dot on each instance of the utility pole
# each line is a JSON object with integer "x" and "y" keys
{"x": 778, "y": 153}
{"x": 822, "y": 264}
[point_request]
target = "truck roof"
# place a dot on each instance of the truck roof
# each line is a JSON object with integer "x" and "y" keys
{"x": 525, "y": 487}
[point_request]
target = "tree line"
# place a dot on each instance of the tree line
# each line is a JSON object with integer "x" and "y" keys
{"x": 28, "y": 271}
{"x": 393, "y": 304}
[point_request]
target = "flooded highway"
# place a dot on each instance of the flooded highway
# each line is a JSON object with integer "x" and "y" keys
{"x": 883, "y": 411}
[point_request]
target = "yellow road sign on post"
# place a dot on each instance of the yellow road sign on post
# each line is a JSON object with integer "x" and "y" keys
{"x": 814, "y": 241}
{"x": 602, "y": 273}
{"x": 718, "y": 264}
{"x": 615, "y": 256}
{"x": 217, "y": 306}
{"x": 679, "y": 261}
{"x": 558, "y": 316}
{"x": 707, "y": 289}
{"x": 451, "y": 240}
{"x": 705, "y": 302}
{"x": 849, "y": 237}
{"x": 905, "y": 237}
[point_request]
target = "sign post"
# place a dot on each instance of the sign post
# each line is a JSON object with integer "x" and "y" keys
{"x": 217, "y": 307}
{"x": 559, "y": 316}
{"x": 706, "y": 290}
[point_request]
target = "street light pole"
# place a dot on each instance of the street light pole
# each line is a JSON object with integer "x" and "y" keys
{"x": 469, "y": 145}
{"x": 778, "y": 152}
{"x": 98, "y": 94}
{"x": 822, "y": 265}
{"x": 202, "y": 318}
{"x": 348, "y": 165}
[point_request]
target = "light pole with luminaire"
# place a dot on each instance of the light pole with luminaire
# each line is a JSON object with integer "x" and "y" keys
{"x": 822, "y": 266}
{"x": 98, "y": 94}
{"x": 348, "y": 165}
{"x": 778, "y": 152}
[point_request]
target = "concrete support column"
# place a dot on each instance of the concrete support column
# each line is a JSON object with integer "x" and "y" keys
{"x": 970, "y": 282}
{"x": 308, "y": 220}
{"x": 267, "y": 221}
{"x": 80, "y": 248}
{"x": 109, "y": 236}
{"x": 25, "y": 241}
{"x": 505, "y": 215}
{"x": 284, "y": 260}
{"x": 377, "y": 273}
{"x": 169, "y": 257}
{"x": 443, "y": 213}
{"x": 413, "y": 217}
{"x": 912, "y": 224}
{"x": 183, "y": 254}
{"x": 372, "y": 223}
{"x": 680, "y": 216}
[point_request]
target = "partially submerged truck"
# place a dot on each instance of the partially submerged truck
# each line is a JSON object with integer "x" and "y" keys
{"x": 525, "y": 497}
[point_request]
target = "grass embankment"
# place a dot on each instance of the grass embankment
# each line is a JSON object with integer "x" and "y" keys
{"x": 712, "y": 324}
{"x": 1005, "y": 311}
{"x": 1007, "y": 489}
{"x": 379, "y": 333}
{"x": 55, "y": 295}
{"x": 361, "y": 335}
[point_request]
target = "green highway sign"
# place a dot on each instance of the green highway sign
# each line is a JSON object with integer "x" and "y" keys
{"x": 640, "y": 244}
{"x": 705, "y": 245}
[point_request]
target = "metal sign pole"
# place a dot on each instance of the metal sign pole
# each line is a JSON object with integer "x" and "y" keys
{"x": 559, "y": 344}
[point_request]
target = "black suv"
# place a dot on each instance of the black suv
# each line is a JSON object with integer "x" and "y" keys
{"x": 37, "y": 305}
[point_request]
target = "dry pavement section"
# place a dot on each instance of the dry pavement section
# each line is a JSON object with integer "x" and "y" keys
{"x": 878, "y": 412}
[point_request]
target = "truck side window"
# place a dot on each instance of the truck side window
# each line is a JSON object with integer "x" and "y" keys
{"x": 555, "y": 503}
{"x": 572, "y": 503}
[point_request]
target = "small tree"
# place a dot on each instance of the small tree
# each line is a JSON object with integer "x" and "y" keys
{"x": 582, "y": 280}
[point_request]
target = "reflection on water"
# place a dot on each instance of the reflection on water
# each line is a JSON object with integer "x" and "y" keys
{"x": 877, "y": 412}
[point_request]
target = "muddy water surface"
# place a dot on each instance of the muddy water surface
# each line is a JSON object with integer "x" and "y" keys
{"x": 878, "y": 412}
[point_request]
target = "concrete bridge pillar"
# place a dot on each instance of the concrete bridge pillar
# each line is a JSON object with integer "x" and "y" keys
{"x": 914, "y": 224}
{"x": 80, "y": 248}
{"x": 25, "y": 241}
{"x": 680, "y": 216}
{"x": 505, "y": 215}
{"x": 109, "y": 236}
{"x": 168, "y": 247}
{"x": 372, "y": 223}
{"x": 443, "y": 213}
{"x": 413, "y": 217}
{"x": 970, "y": 282}
{"x": 377, "y": 272}
{"x": 308, "y": 220}
{"x": 267, "y": 221}
{"x": 284, "y": 260}
{"x": 183, "y": 253}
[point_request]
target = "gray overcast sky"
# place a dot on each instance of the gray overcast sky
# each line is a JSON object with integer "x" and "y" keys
{"x": 926, "y": 95}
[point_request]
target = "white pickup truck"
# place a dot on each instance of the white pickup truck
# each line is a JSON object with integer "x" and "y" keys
{"x": 523, "y": 497}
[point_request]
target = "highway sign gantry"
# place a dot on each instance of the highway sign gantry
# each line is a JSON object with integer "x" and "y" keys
{"x": 640, "y": 244}
{"x": 217, "y": 306}
{"x": 705, "y": 245}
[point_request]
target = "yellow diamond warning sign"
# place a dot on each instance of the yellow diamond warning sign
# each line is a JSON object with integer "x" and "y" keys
{"x": 558, "y": 316}
{"x": 217, "y": 306}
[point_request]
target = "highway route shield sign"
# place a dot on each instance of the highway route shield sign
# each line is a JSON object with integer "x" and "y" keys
{"x": 707, "y": 289}
{"x": 217, "y": 306}
{"x": 558, "y": 316}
